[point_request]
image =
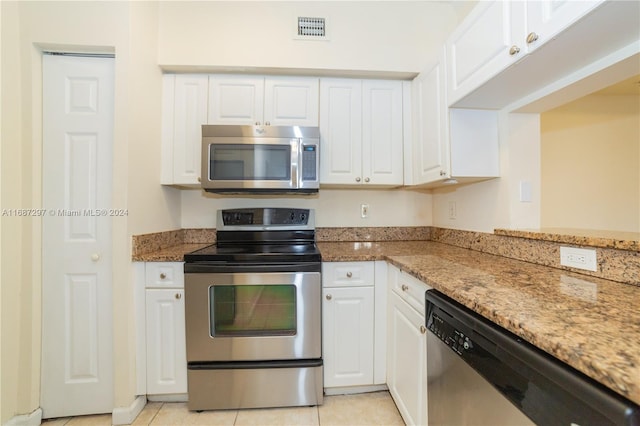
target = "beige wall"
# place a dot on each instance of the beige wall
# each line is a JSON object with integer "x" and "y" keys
{"x": 381, "y": 36}
{"x": 496, "y": 203}
{"x": 591, "y": 164}
{"x": 334, "y": 207}
{"x": 129, "y": 30}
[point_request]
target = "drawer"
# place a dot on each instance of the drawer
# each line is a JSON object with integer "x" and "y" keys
{"x": 411, "y": 290}
{"x": 164, "y": 275}
{"x": 348, "y": 274}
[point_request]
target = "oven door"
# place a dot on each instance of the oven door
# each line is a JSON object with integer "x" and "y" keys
{"x": 253, "y": 316}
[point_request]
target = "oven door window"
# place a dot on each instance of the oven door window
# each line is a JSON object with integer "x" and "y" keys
{"x": 249, "y": 162}
{"x": 252, "y": 310}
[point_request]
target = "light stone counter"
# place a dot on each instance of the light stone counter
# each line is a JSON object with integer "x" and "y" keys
{"x": 589, "y": 323}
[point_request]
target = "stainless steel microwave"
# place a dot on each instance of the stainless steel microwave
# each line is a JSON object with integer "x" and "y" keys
{"x": 264, "y": 160}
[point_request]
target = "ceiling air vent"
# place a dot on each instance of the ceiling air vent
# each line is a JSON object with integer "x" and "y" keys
{"x": 312, "y": 28}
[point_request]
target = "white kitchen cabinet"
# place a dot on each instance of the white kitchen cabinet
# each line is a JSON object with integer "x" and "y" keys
{"x": 450, "y": 144}
{"x": 268, "y": 101}
{"x": 184, "y": 112}
{"x": 361, "y": 131}
{"x": 162, "y": 329}
{"x": 348, "y": 323}
{"x": 431, "y": 147}
{"x": 485, "y": 43}
{"x": 191, "y": 100}
{"x": 547, "y": 18}
{"x": 486, "y": 53}
{"x": 236, "y": 99}
{"x": 407, "y": 347}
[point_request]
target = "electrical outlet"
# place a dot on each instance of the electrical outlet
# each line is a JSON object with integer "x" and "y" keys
{"x": 452, "y": 210}
{"x": 579, "y": 258}
{"x": 364, "y": 210}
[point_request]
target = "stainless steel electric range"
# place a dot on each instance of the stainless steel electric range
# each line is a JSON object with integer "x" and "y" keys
{"x": 253, "y": 312}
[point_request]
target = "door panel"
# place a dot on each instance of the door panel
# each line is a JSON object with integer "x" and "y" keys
{"x": 77, "y": 348}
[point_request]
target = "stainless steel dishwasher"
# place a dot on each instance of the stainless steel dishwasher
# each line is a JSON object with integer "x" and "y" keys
{"x": 481, "y": 374}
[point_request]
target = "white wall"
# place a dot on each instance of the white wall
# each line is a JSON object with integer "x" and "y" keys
{"x": 380, "y": 36}
{"x": 334, "y": 207}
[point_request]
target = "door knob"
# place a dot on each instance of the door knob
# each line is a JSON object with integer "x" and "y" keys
{"x": 95, "y": 257}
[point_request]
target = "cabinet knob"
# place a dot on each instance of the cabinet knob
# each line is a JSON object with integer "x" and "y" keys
{"x": 178, "y": 296}
{"x": 267, "y": 123}
{"x": 349, "y": 274}
{"x": 532, "y": 37}
{"x": 329, "y": 297}
{"x": 405, "y": 287}
{"x": 366, "y": 179}
{"x": 257, "y": 123}
{"x": 163, "y": 275}
{"x": 423, "y": 329}
{"x": 95, "y": 257}
{"x": 358, "y": 179}
{"x": 443, "y": 173}
{"x": 199, "y": 180}
{"x": 514, "y": 50}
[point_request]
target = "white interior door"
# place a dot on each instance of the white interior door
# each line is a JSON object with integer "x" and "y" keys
{"x": 77, "y": 346}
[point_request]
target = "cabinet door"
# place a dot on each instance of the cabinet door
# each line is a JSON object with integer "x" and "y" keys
{"x": 340, "y": 131}
{"x": 166, "y": 347}
{"x": 190, "y": 113}
{"x": 236, "y": 100}
{"x": 382, "y": 132}
{"x": 407, "y": 361}
{"x": 546, "y": 18}
{"x": 347, "y": 336}
{"x": 480, "y": 47}
{"x": 291, "y": 101}
{"x": 430, "y": 125}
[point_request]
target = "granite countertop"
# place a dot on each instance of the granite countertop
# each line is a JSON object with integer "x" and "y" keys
{"x": 170, "y": 254}
{"x": 589, "y": 323}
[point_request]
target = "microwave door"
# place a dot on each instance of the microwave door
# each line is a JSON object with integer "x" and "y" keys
{"x": 269, "y": 164}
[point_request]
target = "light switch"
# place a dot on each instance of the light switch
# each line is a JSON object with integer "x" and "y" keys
{"x": 525, "y": 191}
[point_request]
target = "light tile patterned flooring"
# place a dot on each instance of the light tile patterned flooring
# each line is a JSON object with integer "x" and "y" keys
{"x": 375, "y": 408}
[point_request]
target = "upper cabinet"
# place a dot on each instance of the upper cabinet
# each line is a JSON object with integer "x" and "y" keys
{"x": 449, "y": 145}
{"x": 263, "y": 101}
{"x": 191, "y": 100}
{"x": 486, "y": 53}
{"x": 485, "y": 43}
{"x": 361, "y": 131}
{"x": 184, "y": 112}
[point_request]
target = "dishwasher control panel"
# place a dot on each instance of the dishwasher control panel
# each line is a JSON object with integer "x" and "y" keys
{"x": 446, "y": 332}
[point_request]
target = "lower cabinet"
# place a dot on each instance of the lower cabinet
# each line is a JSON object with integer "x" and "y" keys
{"x": 166, "y": 347}
{"x": 407, "y": 347}
{"x": 160, "y": 325}
{"x": 347, "y": 336}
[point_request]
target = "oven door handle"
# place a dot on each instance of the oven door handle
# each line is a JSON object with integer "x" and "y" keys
{"x": 233, "y": 267}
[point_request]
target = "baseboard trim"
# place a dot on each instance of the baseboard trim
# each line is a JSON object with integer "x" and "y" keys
{"x": 126, "y": 415}
{"x": 348, "y": 390}
{"x": 32, "y": 419}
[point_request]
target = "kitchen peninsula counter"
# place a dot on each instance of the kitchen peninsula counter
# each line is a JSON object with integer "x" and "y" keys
{"x": 589, "y": 323}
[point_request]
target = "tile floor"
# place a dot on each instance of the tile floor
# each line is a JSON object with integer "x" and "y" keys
{"x": 375, "y": 408}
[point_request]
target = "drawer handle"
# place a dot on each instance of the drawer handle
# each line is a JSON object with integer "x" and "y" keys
{"x": 423, "y": 329}
{"x": 349, "y": 274}
{"x": 405, "y": 287}
{"x": 178, "y": 296}
{"x": 329, "y": 297}
{"x": 163, "y": 276}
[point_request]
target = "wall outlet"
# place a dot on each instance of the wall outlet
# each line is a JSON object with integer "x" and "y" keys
{"x": 364, "y": 210}
{"x": 579, "y": 258}
{"x": 453, "y": 213}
